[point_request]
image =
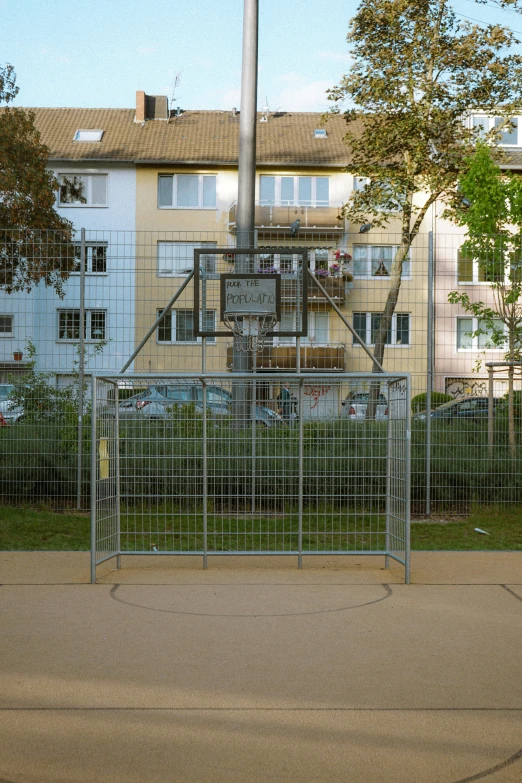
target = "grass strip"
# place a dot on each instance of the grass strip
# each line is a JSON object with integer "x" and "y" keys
{"x": 27, "y": 529}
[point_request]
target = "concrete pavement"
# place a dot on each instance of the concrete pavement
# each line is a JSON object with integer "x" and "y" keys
{"x": 255, "y": 671}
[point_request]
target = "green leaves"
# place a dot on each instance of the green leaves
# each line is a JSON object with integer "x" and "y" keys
{"x": 38, "y": 246}
{"x": 417, "y": 72}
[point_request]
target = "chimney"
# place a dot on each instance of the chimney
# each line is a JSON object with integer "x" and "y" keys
{"x": 140, "y": 106}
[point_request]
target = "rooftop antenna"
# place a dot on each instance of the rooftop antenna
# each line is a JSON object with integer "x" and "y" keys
{"x": 174, "y": 96}
{"x": 265, "y": 111}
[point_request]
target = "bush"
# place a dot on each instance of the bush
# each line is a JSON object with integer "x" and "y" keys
{"x": 418, "y": 402}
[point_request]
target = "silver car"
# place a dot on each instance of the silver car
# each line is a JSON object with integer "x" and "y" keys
{"x": 356, "y": 404}
{"x": 8, "y": 410}
{"x": 156, "y": 402}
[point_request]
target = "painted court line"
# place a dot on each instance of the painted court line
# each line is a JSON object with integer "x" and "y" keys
{"x": 386, "y": 587}
{"x": 512, "y": 592}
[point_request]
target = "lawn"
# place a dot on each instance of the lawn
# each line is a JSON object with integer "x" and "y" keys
{"x": 44, "y": 530}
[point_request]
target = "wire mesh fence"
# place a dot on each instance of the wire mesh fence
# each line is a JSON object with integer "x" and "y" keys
{"x": 88, "y": 304}
{"x": 186, "y": 471}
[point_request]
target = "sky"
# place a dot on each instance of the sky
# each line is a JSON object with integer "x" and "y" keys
{"x": 96, "y": 54}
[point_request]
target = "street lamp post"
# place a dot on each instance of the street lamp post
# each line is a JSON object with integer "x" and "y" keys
{"x": 242, "y": 359}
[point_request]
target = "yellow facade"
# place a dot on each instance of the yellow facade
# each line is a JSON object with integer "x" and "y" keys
{"x": 154, "y": 290}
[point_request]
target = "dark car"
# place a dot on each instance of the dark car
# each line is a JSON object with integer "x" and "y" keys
{"x": 157, "y": 402}
{"x": 463, "y": 408}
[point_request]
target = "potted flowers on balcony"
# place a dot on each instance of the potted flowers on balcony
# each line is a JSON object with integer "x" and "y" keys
{"x": 268, "y": 270}
{"x": 321, "y": 272}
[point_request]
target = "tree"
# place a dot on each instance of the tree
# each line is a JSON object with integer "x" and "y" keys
{"x": 417, "y": 74}
{"x": 35, "y": 241}
{"x": 492, "y": 214}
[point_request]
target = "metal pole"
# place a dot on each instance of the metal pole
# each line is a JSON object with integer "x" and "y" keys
{"x": 254, "y": 434}
{"x": 429, "y": 379}
{"x": 407, "y": 488}
{"x": 203, "y": 273}
{"x": 158, "y": 320}
{"x": 247, "y": 129}
{"x": 205, "y": 475}
{"x": 389, "y": 446}
{"x": 377, "y": 366}
{"x": 301, "y": 479}
{"x": 242, "y": 358}
{"x": 491, "y": 402}
{"x": 93, "y": 482}
{"x": 117, "y": 459}
{"x": 81, "y": 371}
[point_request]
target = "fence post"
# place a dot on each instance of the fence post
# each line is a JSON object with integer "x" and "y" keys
{"x": 429, "y": 368}
{"x": 300, "y": 479}
{"x": 81, "y": 370}
{"x": 93, "y": 481}
{"x": 491, "y": 403}
{"x": 117, "y": 471}
{"x": 205, "y": 472}
{"x": 407, "y": 490}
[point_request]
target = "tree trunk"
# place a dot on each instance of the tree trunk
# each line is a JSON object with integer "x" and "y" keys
{"x": 386, "y": 319}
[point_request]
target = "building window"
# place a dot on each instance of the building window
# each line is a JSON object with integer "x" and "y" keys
{"x": 6, "y": 325}
{"x": 294, "y": 191}
{"x": 93, "y": 190}
{"x": 95, "y": 258}
{"x": 88, "y": 135}
{"x": 470, "y": 270}
{"x": 474, "y": 335}
{"x": 359, "y": 183}
{"x": 187, "y": 191}
{"x": 376, "y": 261}
{"x": 484, "y": 124}
{"x": 178, "y": 326}
{"x": 93, "y": 325}
{"x": 177, "y": 258}
{"x": 367, "y": 325}
{"x": 286, "y": 263}
{"x": 318, "y": 329}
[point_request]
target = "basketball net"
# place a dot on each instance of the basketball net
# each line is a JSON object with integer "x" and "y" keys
{"x": 249, "y": 330}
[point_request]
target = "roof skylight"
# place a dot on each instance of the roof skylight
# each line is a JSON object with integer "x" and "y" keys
{"x": 88, "y": 135}
{"x": 320, "y": 133}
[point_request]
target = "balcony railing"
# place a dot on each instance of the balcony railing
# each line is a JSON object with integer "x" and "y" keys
{"x": 283, "y": 357}
{"x": 279, "y": 219}
{"x": 334, "y": 287}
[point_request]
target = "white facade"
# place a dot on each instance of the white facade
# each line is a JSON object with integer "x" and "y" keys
{"x": 51, "y": 323}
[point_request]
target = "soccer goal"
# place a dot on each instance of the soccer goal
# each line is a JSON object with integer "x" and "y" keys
{"x": 305, "y": 467}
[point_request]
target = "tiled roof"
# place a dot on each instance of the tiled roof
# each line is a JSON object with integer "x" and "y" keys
{"x": 207, "y": 137}
{"x": 199, "y": 137}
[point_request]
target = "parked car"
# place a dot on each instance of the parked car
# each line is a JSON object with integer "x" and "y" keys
{"x": 356, "y": 404}
{"x": 463, "y": 408}
{"x": 156, "y": 401}
{"x": 9, "y": 412}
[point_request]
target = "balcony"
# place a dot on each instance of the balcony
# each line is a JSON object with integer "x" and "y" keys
{"x": 318, "y": 358}
{"x": 277, "y": 220}
{"x": 334, "y": 287}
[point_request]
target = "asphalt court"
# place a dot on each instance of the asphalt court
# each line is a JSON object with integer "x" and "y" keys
{"x": 257, "y": 671}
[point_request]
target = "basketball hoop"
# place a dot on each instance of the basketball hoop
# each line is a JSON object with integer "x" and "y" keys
{"x": 249, "y": 330}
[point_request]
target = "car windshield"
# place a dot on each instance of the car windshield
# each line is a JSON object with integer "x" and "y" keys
{"x": 363, "y": 397}
{"x": 176, "y": 393}
{"x": 214, "y": 394}
{"x": 5, "y": 391}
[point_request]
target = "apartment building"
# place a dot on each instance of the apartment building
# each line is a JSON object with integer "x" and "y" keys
{"x": 460, "y": 351}
{"x": 159, "y": 183}
{"x": 94, "y": 147}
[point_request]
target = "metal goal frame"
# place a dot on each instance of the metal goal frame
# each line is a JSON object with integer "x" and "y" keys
{"x": 327, "y": 448}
